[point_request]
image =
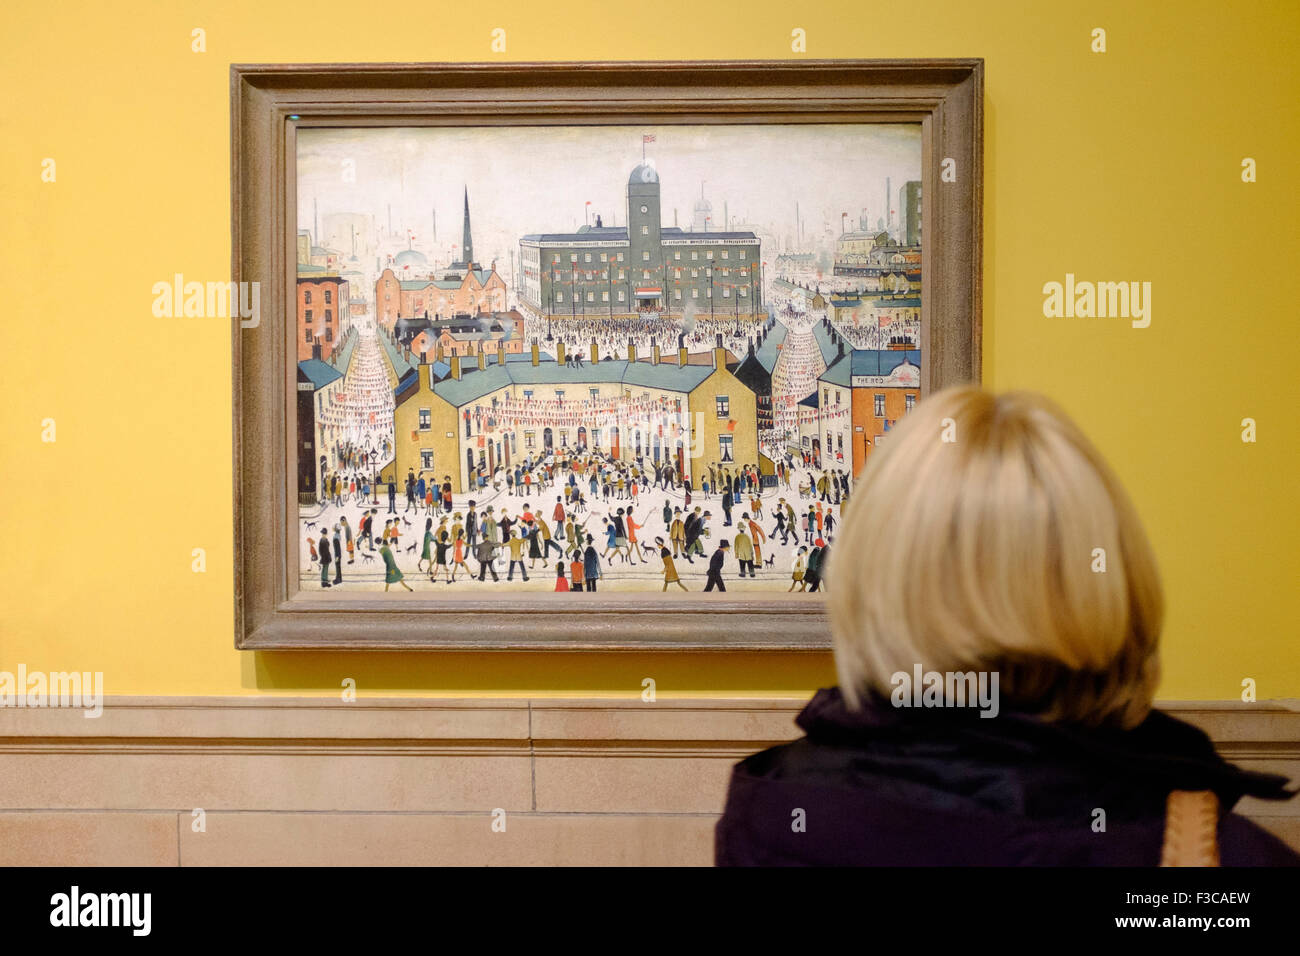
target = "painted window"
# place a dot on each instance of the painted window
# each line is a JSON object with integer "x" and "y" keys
{"x": 426, "y": 421}
{"x": 879, "y": 406}
{"x": 722, "y": 403}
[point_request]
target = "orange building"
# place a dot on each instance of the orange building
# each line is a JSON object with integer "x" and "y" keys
{"x": 860, "y": 397}
{"x": 322, "y": 301}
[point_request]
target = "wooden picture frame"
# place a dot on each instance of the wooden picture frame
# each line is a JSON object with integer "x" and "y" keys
{"x": 270, "y": 102}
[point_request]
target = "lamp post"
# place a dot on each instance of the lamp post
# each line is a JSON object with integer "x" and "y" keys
{"x": 374, "y": 485}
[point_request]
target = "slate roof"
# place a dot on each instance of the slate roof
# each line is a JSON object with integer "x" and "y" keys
{"x": 619, "y": 234}
{"x": 827, "y": 342}
{"x": 868, "y": 362}
{"x": 767, "y": 352}
{"x": 519, "y": 370}
{"x": 319, "y": 373}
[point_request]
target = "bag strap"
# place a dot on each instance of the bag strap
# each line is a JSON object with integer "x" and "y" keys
{"x": 1191, "y": 829}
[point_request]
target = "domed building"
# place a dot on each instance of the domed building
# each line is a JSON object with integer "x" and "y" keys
{"x": 409, "y": 260}
{"x": 644, "y": 266}
{"x": 408, "y": 289}
{"x": 703, "y": 215}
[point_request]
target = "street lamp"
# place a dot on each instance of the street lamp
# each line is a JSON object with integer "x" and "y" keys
{"x": 374, "y": 485}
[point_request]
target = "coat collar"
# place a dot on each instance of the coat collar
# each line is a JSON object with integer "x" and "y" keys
{"x": 1161, "y": 750}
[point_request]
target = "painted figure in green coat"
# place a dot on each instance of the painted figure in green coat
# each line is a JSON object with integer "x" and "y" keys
{"x": 392, "y": 574}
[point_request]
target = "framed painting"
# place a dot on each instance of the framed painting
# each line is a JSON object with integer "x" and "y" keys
{"x": 583, "y": 356}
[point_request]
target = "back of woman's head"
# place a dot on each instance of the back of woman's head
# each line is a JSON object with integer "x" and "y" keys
{"x": 986, "y": 533}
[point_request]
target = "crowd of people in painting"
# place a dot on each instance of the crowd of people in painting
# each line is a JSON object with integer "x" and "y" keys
{"x": 586, "y": 511}
{"x": 696, "y": 332}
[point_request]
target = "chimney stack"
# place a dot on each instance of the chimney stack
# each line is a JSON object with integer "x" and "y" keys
{"x": 681, "y": 351}
{"x": 631, "y": 351}
{"x": 501, "y": 352}
{"x": 719, "y": 353}
{"x": 595, "y": 352}
{"x": 455, "y": 366}
{"x": 437, "y": 354}
{"x": 559, "y": 351}
{"x": 482, "y": 360}
{"x": 535, "y": 356}
{"x": 654, "y": 351}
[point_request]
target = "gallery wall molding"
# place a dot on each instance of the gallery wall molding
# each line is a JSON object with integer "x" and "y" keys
{"x": 269, "y": 103}
{"x": 414, "y": 781}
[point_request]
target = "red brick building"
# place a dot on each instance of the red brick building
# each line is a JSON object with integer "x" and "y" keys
{"x": 322, "y": 303}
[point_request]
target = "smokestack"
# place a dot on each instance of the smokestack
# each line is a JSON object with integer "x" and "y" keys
{"x": 559, "y": 351}
{"x": 536, "y": 358}
{"x": 595, "y": 352}
{"x": 631, "y": 351}
{"x": 455, "y": 366}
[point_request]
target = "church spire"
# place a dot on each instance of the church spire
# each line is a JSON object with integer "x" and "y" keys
{"x": 467, "y": 242}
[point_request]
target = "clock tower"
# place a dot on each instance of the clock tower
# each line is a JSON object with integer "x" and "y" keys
{"x": 645, "y": 250}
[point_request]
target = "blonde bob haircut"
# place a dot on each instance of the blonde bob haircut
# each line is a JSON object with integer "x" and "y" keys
{"x": 988, "y": 534}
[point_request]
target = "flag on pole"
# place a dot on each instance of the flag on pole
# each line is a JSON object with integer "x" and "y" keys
{"x": 647, "y": 139}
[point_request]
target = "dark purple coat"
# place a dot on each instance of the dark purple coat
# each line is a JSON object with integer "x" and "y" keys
{"x": 926, "y": 787}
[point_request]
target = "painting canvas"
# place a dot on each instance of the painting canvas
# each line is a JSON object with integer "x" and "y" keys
{"x": 597, "y": 358}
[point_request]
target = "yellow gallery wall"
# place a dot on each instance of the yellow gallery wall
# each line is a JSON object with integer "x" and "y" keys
{"x": 1116, "y": 166}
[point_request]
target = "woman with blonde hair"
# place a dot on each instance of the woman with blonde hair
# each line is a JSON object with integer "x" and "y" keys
{"x": 996, "y": 614}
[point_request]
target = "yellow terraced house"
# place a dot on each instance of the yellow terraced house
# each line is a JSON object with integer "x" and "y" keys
{"x": 462, "y": 417}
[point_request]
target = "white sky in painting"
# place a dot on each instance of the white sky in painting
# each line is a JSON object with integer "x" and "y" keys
{"x": 537, "y": 179}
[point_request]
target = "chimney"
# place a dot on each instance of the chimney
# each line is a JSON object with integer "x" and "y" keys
{"x": 681, "y": 351}
{"x": 654, "y": 351}
{"x": 535, "y": 356}
{"x": 719, "y": 353}
{"x": 501, "y": 352}
{"x": 482, "y": 360}
{"x": 455, "y": 366}
{"x": 595, "y": 352}
{"x": 631, "y": 351}
{"x": 437, "y": 355}
{"x": 424, "y": 357}
{"x": 559, "y": 351}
